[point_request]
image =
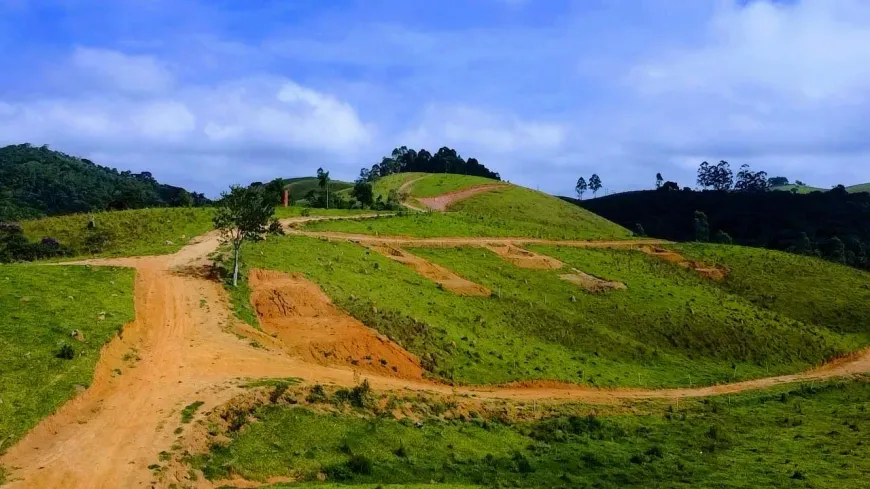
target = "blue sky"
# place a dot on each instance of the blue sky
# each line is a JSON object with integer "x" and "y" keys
{"x": 204, "y": 94}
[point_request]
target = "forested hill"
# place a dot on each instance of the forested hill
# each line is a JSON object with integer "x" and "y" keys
{"x": 37, "y": 181}
{"x": 833, "y": 224}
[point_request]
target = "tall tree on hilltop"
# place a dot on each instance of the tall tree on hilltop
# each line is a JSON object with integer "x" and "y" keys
{"x": 581, "y": 187}
{"x": 323, "y": 181}
{"x": 243, "y": 215}
{"x": 594, "y": 184}
{"x": 659, "y": 180}
{"x": 722, "y": 178}
{"x": 751, "y": 181}
{"x": 705, "y": 176}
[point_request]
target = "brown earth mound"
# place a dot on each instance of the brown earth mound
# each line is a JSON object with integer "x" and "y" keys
{"x": 447, "y": 279}
{"x": 591, "y": 283}
{"x": 442, "y": 202}
{"x": 524, "y": 258}
{"x": 715, "y": 272}
{"x": 298, "y": 314}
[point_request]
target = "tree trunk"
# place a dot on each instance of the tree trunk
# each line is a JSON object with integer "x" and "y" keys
{"x": 327, "y": 195}
{"x": 236, "y": 267}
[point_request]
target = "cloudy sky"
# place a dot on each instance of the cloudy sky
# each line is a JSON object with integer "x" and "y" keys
{"x": 208, "y": 93}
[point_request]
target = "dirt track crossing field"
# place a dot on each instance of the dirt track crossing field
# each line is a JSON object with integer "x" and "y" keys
{"x": 190, "y": 348}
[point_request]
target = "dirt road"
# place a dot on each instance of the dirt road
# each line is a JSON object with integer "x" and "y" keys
{"x": 186, "y": 346}
{"x": 443, "y": 202}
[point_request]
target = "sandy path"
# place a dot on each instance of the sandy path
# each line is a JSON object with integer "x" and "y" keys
{"x": 406, "y": 188}
{"x": 109, "y": 435}
{"x": 443, "y": 201}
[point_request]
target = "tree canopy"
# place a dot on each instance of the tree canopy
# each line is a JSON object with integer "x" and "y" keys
{"x": 801, "y": 223}
{"x": 37, "y": 181}
{"x": 243, "y": 214}
{"x": 446, "y": 160}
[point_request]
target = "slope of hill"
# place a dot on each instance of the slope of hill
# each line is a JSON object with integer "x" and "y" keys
{"x": 805, "y": 189}
{"x": 300, "y": 186}
{"x": 373, "y": 360}
{"x": 123, "y": 233}
{"x": 508, "y": 210}
{"x": 36, "y": 181}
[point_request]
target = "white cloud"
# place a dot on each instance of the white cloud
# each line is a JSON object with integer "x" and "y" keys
{"x": 808, "y": 52}
{"x": 261, "y": 122}
{"x": 481, "y": 130}
{"x": 118, "y": 71}
{"x": 158, "y": 119}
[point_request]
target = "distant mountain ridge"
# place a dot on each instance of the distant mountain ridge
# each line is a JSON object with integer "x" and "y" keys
{"x": 805, "y": 189}
{"x": 36, "y": 181}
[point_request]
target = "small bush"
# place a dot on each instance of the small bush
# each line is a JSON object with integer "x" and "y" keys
{"x": 360, "y": 464}
{"x": 279, "y": 391}
{"x": 66, "y": 352}
{"x": 316, "y": 394}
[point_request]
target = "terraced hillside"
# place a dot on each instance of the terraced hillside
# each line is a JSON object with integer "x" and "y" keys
{"x": 514, "y": 340}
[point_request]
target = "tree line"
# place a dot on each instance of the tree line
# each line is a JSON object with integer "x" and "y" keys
{"x": 37, "y": 182}
{"x": 834, "y": 225}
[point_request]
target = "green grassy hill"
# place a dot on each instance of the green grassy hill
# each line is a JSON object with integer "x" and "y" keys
{"x": 300, "y": 186}
{"x": 805, "y": 189}
{"x": 774, "y": 313}
{"x": 863, "y": 187}
{"x": 511, "y": 211}
{"x": 670, "y": 328}
{"x": 37, "y": 181}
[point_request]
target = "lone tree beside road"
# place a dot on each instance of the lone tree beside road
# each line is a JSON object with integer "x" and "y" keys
{"x": 243, "y": 213}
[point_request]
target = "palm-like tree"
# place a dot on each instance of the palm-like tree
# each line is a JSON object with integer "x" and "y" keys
{"x": 323, "y": 181}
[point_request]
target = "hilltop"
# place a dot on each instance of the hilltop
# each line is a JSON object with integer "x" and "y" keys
{"x": 300, "y": 186}
{"x": 806, "y": 189}
{"x": 37, "y": 181}
{"x": 477, "y": 206}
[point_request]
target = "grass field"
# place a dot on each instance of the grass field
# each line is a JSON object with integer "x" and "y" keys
{"x": 296, "y": 211}
{"x": 508, "y": 212}
{"x": 39, "y": 308}
{"x": 669, "y": 328}
{"x": 804, "y": 288}
{"x": 441, "y": 183}
{"x": 793, "y": 437}
{"x": 124, "y": 233}
{"x": 383, "y": 185}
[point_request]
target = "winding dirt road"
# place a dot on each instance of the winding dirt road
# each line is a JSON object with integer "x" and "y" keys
{"x": 444, "y": 201}
{"x": 186, "y": 346}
